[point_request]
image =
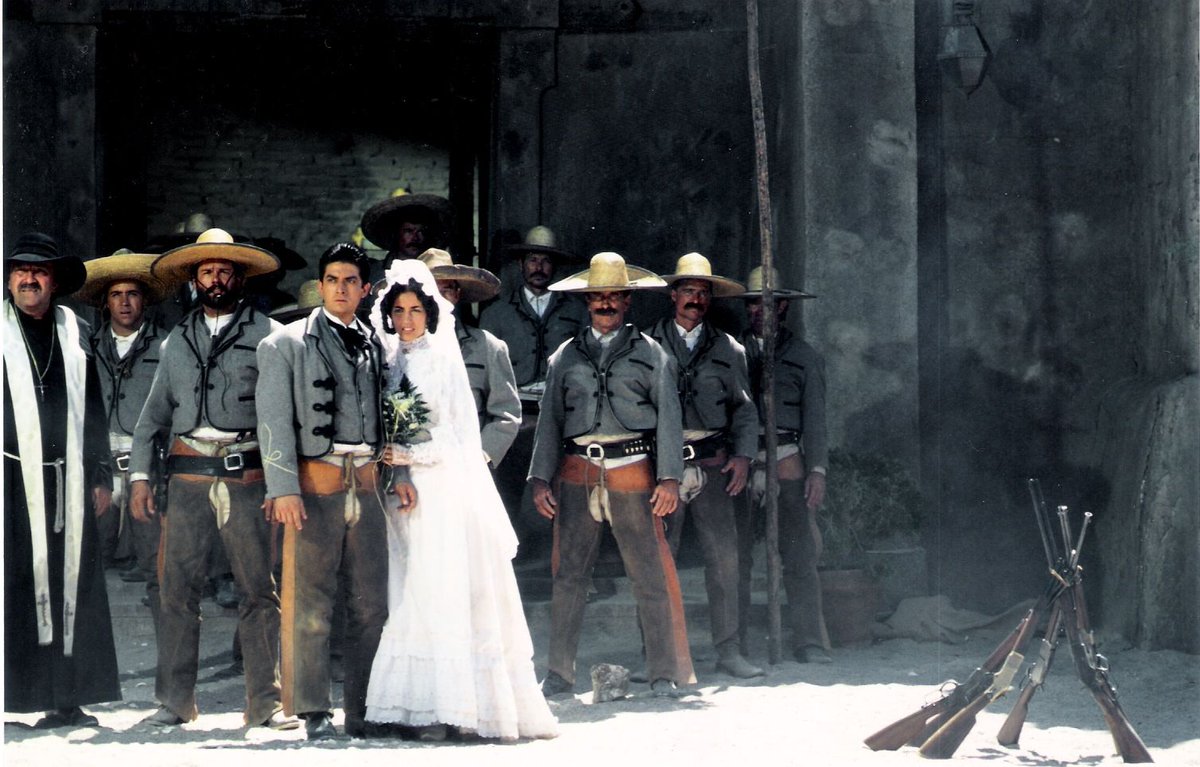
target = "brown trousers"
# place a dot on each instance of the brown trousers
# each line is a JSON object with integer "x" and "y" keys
{"x": 189, "y": 532}
{"x": 648, "y": 563}
{"x": 324, "y": 554}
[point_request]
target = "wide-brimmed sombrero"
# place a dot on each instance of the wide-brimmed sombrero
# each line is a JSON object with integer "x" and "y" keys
{"x": 308, "y": 298}
{"x": 381, "y": 222}
{"x": 693, "y": 266}
{"x": 608, "y": 272}
{"x": 174, "y": 267}
{"x": 42, "y": 250}
{"x": 123, "y": 265}
{"x": 540, "y": 239}
{"x": 754, "y": 287}
{"x": 474, "y": 284}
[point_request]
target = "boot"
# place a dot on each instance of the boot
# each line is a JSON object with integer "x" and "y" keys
{"x": 732, "y": 662}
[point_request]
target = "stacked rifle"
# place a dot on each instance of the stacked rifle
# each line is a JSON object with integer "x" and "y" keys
{"x": 940, "y": 727}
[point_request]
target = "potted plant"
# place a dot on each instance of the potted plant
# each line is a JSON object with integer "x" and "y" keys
{"x": 869, "y": 529}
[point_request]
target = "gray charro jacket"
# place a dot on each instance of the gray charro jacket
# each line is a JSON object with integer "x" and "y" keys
{"x": 714, "y": 385}
{"x": 125, "y": 382}
{"x": 530, "y": 338}
{"x": 494, "y": 387}
{"x": 202, "y": 381}
{"x": 633, "y": 391}
{"x": 799, "y": 391}
{"x": 309, "y": 393}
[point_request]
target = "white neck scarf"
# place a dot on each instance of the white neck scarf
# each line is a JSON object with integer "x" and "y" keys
{"x": 29, "y": 442}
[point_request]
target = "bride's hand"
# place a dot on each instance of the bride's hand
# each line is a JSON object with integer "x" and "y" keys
{"x": 397, "y": 455}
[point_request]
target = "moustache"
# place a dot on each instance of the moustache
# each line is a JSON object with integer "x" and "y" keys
{"x": 543, "y": 275}
{"x": 606, "y": 312}
{"x": 693, "y": 306}
{"x": 29, "y": 286}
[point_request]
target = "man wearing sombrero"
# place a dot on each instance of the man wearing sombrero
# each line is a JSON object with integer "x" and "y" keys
{"x": 532, "y": 321}
{"x": 489, "y": 370}
{"x": 201, "y": 405}
{"x": 126, "y": 349}
{"x": 802, "y": 460}
{"x": 610, "y": 403}
{"x": 406, "y": 224}
{"x": 58, "y": 640}
{"x": 720, "y": 433}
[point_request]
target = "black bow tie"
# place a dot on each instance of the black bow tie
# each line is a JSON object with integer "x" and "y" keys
{"x": 352, "y": 339}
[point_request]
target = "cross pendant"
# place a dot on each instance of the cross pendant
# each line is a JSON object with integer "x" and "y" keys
{"x": 41, "y": 387}
{"x": 43, "y": 602}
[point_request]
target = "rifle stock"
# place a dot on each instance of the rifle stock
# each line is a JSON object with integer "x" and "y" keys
{"x": 1010, "y": 731}
{"x": 943, "y": 743}
{"x": 919, "y": 725}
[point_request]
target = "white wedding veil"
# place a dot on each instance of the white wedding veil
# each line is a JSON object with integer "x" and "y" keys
{"x": 401, "y": 272}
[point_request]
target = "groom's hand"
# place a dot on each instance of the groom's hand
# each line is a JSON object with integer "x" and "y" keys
{"x": 289, "y": 510}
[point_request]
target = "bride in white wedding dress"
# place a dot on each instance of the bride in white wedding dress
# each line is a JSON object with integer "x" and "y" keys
{"x": 456, "y": 648}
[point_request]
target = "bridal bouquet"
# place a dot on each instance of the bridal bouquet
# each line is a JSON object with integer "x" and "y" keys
{"x": 405, "y": 415}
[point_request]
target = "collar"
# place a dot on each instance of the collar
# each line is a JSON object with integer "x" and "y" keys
{"x": 355, "y": 325}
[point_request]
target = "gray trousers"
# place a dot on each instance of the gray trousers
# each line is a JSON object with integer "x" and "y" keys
{"x": 651, "y": 570}
{"x": 189, "y": 532}
{"x": 799, "y": 553}
{"x": 316, "y": 559}
{"x": 712, "y": 514}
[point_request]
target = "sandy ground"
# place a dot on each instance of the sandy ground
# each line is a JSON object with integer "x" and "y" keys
{"x": 797, "y": 714}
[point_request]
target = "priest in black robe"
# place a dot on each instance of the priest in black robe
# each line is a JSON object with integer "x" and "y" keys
{"x": 58, "y": 641}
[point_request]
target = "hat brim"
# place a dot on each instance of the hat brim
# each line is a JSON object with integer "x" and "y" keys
{"x": 135, "y": 267}
{"x": 289, "y": 313}
{"x": 722, "y": 287}
{"x": 69, "y": 271}
{"x": 174, "y": 267}
{"x": 474, "y": 284}
{"x": 518, "y": 251}
{"x": 639, "y": 279}
{"x": 778, "y": 293}
{"x": 381, "y": 222}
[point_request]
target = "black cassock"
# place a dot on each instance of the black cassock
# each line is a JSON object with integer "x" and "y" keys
{"x": 36, "y": 677}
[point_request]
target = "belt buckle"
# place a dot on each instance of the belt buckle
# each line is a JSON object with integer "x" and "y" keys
{"x": 598, "y": 455}
{"x": 689, "y": 452}
{"x": 122, "y": 462}
{"x": 234, "y": 462}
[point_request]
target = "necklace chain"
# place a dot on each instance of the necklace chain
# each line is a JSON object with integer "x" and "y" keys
{"x": 41, "y": 373}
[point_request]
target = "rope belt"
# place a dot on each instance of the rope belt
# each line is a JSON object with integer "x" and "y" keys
{"x": 337, "y": 473}
{"x": 59, "y": 465}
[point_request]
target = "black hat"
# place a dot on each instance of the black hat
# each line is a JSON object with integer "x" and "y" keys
{"x": 381, "y": 223}
{"x": 41, "y": 249}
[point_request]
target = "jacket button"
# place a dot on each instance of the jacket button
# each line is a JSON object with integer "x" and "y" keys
{"x": 122, "y": 396}
{"x": 212, "y": 386}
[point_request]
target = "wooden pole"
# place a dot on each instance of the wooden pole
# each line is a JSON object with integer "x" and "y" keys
{"x": 769, "y": 314}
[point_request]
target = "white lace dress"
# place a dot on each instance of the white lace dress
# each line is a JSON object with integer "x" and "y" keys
{"x": 456, "y": 647}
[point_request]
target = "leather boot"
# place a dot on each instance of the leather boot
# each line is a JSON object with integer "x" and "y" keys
{"x": 732, "y": 662}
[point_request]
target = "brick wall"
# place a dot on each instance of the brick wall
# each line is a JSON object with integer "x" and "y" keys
{"x": 306, "y": 186}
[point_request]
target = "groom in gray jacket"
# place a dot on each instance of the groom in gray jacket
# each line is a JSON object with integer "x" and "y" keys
{"x": 319, "y": 426}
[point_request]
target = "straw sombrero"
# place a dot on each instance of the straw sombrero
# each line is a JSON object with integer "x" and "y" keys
{"x": 474, "y": 284}
{"x": 381, "y": 222}
{"x": 540, "y": 239}
{"x": 309, "y": 298}
{"x": 606, "y": 272}
{"x": 754, "y": 287}
{"x": 693, "y": 266}
{"x": 174, "y": 266}
{"x": 120, "y": 266}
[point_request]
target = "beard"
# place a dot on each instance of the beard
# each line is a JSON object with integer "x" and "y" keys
{"x": 219, "y": 297}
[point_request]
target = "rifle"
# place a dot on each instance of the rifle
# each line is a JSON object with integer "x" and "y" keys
{"x": 1092, "y": 667}
{"x": 1010, "y": 731}
{"x": 919, "y": 726}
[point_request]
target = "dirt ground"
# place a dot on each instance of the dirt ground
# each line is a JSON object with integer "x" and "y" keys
{"x": 798, "y": 714}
